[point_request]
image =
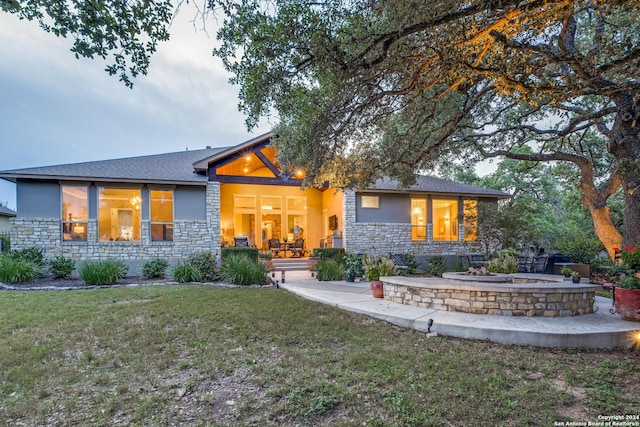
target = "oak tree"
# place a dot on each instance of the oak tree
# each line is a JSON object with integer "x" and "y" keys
{"x": 366, "y": 88}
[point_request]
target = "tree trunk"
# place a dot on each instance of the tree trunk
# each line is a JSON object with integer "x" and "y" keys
{"x": 624, "y": 144}
{"x": 604, "y": 228}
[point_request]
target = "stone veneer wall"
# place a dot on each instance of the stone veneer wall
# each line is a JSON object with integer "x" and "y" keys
{"x": 188, "y": 237}
{"x": 507, "y": 302}
{"x": 383, "y": 238}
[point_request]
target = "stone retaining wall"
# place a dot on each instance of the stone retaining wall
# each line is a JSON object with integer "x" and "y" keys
{"x": 548, "y": 300}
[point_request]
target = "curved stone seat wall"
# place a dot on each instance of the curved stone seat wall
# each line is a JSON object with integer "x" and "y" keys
{"x": 523, "y": 298}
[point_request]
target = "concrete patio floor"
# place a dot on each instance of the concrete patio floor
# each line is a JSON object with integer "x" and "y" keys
{"x": 601, "y": 330}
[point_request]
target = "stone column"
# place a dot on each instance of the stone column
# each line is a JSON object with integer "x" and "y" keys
{"x": 348, "y": 219}
{"x": 213, "y": 215}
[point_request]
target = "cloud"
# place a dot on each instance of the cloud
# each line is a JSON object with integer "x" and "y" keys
{"x": 56, "y": 109}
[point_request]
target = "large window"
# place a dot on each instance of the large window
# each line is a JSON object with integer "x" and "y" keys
{"x": 470, "y": 220}
{"x": 418, "y": 219}
{"x": 161, "y": 215}
{"x": 74, "y": 212}
{"x": 445, "y": 220}
{"x": 119, "y": 214}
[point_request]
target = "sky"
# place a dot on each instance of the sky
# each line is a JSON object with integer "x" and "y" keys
{"x": 55, "y": 109}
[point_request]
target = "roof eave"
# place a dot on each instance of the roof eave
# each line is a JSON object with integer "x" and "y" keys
{"x": 100, "y": 179}
{"x": 410, "y": 190}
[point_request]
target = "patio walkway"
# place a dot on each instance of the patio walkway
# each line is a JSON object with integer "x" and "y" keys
{"x": 599, "y": 330}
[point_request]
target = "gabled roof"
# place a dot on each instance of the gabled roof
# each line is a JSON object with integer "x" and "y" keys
{"x": 203, "y": 164}
{"x": 4, "y": 211}
{"x": 429, "y": 184}
{"x": 170, "y": 168}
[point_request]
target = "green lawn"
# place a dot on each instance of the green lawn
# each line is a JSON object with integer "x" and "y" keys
{"x": 198, "y": 355}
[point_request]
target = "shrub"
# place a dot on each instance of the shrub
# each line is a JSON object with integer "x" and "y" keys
{"x": 579, "y": 248}
{"x": 249, "y": 252}
{"x": 329, "y": 253}
{"x": 155, "y": 268}
{"x": 16, "y": 270}
{"x": 32, "y": 254}
{"x": 505, "y": 263}
{"x": 265, "y": 254}
{"x": 61, "y": 267}
{"x": 206, "y": 265}
{"x": 374, "y": 267}
{"x": 330, "y": 269}
{"x": 630, "y": 257}
{"x": 185, "y": 272}
{"x": 241, "y": 270}
{"x": 353, "y": 266}
{"x": 436, "y": 266}
{"x": 106, "y": 272}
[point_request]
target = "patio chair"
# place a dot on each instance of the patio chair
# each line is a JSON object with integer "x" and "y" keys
{"x": 298, "y": 248}
{"x": 274, "y": 246}
{"x": 400, "y": 261}
{"x": 477, "y": 261}
{"x": 539, "y": 264}
{"x": 241, "y": 241}
{"x": 524, "y": 264}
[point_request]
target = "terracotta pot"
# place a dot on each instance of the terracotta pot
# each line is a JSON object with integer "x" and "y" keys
{"x": 377, "y": 288}
{"x": 628, "y": 303}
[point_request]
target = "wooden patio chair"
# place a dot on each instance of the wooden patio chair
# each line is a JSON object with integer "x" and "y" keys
{"x": 274, "y": 246}
{"x": 539, "y": 264}
{"x": 524, "y": 264}
{"x": 241, "y": 241}
{"x": 298, "y": 248}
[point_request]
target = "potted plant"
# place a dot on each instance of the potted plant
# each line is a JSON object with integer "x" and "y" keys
{"x": 376, "y": 268}
{"x": 627, "y": 293}
{"x": 575, "y": 276}
{"x": 566, "y": 271}
{"x": 627, "y": 298}
{"x": 352, "y": 267}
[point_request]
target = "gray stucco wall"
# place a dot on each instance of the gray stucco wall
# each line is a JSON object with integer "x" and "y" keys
{"x": 190, "y": 203}
{"x": 393, "y": 208}
{"x": 38, "y": 199}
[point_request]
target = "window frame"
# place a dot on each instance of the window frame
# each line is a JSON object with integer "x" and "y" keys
{"x": 164, "y": 224}
{"x": 416, "y": 236}
{"x": 136, "y": 211}
{"x": 449, "y": 226}
{"x": 369, "y": 198}
{"x": 71, "y": 227}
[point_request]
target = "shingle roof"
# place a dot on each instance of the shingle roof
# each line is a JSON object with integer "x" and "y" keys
{"x": 4, "y": 211}
{"x": 167, "y": 168}
{"x": 180, "y": 168}
{"x": 430, "y": 184}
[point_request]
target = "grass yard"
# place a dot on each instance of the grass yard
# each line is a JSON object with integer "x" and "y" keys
{"x": 201, "y": 355}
